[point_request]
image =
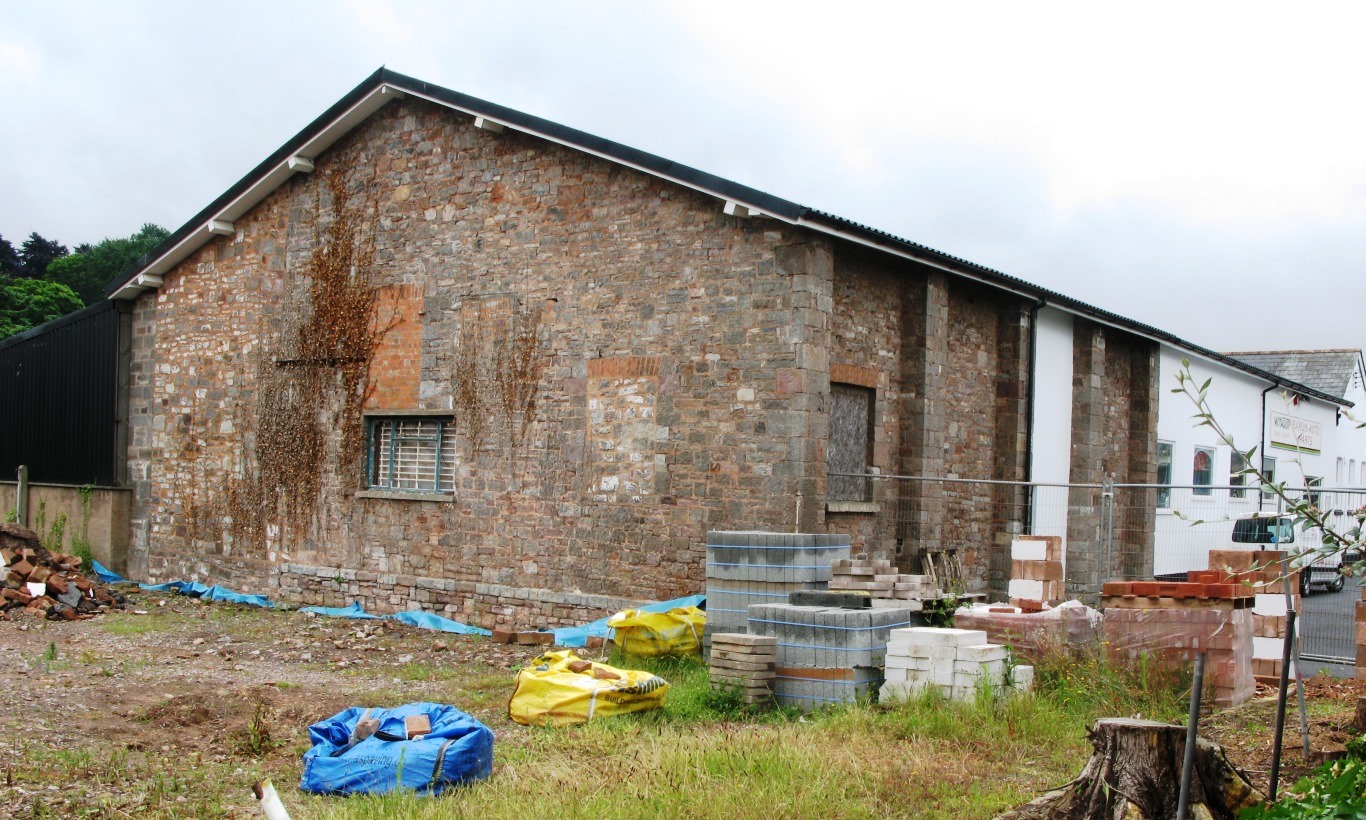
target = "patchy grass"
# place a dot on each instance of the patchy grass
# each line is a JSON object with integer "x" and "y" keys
{"x": 704, "y": 754}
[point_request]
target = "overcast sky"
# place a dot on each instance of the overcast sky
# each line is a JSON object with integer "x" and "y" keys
{"x": 1199, "y": 167}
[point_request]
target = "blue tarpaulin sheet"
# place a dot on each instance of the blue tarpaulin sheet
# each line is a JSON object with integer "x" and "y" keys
{"x": 579, "y": 635}
{"x": 106, "y": 576}
{"x": 571, "y": 636}
{"x": 353, "y": 611}
{"x": 194, "y": 589}
{"x": 427, "y": 620}
{"x": 458, "y": 750}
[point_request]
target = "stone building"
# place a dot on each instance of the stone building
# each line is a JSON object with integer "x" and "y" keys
{"x": 435, "y": 352}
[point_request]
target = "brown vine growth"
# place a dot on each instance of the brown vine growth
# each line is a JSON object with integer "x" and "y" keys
{"x": 497, "y": 373}
{"x": 519, "y": 372}
{"x": 313, "y": 392}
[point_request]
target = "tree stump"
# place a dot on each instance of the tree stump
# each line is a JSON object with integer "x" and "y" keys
{"x": 1135, "y": 774}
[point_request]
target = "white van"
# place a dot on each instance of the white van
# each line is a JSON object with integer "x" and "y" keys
{"x": 1278, "y": 532}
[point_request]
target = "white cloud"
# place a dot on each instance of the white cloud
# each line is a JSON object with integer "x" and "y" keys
{"x": 1166, "y": 161}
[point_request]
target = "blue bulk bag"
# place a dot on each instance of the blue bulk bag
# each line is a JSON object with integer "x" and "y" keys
{"x": 458, "y": 750}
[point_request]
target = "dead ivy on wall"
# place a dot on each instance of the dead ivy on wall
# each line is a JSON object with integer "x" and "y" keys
{"x": 518, "y": 373}
{"x": 312, "y": 381}
{"x": 498, "y": 365}
{"x": 322, "y": 385}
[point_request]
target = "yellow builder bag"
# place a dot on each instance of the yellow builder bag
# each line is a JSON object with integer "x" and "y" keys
{"x": 561, "y": 689}
{"x": 676, "y": 632}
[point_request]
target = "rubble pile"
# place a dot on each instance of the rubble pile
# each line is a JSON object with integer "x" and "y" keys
{"x": 47, "y": 583}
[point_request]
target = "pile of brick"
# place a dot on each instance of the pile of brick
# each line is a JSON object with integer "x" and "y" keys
{"x": 826, "y": 654}
{"x": 1033, "y": 635}
{"x": 1175, "y": 621}
{"x": 524, "y": 638}
{"x": 887, "y": 587}
{"x": 1260, "y": 572}
{"x": 46, "y": 583}
{"x": 744, "y": 664}
{"x": 745, "y": 568}
{"x": 1036, "y": 572}
{"x": 1177, "y": 594}
{"x": 956, "y": 662}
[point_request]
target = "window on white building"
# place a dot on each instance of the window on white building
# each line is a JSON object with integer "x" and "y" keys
{"x": 1312, "y": 484}
{"x": 1269, "y": 474}
{"x": 1236, "y": 477}
{"x": 1202, "y": 474}
{"x": 1164, "y": 473}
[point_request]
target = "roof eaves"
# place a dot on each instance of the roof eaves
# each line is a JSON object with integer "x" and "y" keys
{"x": 720, "y": 187}
{"x": 187, "y": 233}
{"x": 1020, "y": 286}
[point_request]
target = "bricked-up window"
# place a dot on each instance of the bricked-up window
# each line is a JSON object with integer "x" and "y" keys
{"x": 411, "y": 455}
{"x": 1164, "y": 474}
{"x": 851, "y": 442}
{"x": 1202, "y": 475}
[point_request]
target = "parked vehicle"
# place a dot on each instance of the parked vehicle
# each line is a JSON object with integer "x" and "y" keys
{"x": 1279, "y": 532}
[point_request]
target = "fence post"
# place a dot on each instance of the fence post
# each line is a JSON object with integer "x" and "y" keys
{"x": 1107, "y": 526}
{"x": 21, "y": 496}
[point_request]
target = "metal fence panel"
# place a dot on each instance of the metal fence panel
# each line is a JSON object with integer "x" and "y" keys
{"x": 975, "y": 520}
{"x": 1110, "y": 532}
{"x": 60, "y": 409}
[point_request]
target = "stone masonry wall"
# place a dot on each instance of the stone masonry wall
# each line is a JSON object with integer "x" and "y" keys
{"x": 625, "y": 368}
{"x": 951, "y": 367}
{"x": 1114, "y": 430}
{"x": 489, "y": 233}
{"x": 866, "y": 350}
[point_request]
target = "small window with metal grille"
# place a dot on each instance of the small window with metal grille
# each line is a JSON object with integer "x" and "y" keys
{"x": 411, "y": 455}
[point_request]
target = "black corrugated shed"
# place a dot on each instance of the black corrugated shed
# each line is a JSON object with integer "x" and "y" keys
{"x": 60, "y": 403}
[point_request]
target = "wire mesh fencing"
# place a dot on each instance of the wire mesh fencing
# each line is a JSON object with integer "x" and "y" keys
{"x": 1110, "y": 532}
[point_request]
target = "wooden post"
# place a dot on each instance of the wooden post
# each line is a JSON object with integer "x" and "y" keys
{"x": 21, "y": 496}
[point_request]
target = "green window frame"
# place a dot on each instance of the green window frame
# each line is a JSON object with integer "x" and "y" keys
{"x": 406, "y": 454}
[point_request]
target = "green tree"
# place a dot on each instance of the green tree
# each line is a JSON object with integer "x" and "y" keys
{"x": 26, "y": 303}
{"x": 88, "y": 270}
{"x": 36, "y": 254}
{"x": 9, "y": 258}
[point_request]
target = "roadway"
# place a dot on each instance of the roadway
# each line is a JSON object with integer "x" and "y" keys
{"x": 1328, "y": 628}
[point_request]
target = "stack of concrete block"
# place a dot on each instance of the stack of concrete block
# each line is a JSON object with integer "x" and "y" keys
{"x": 955, "y": 662}
{"x": 1036, "y": 571}
{"x": 826, "y": 654}
{"x": 745, "y": 568}
{"x": 744, "y": 664}
{"x": 1259, "y": 572}
{"x": 887, "y": 587}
